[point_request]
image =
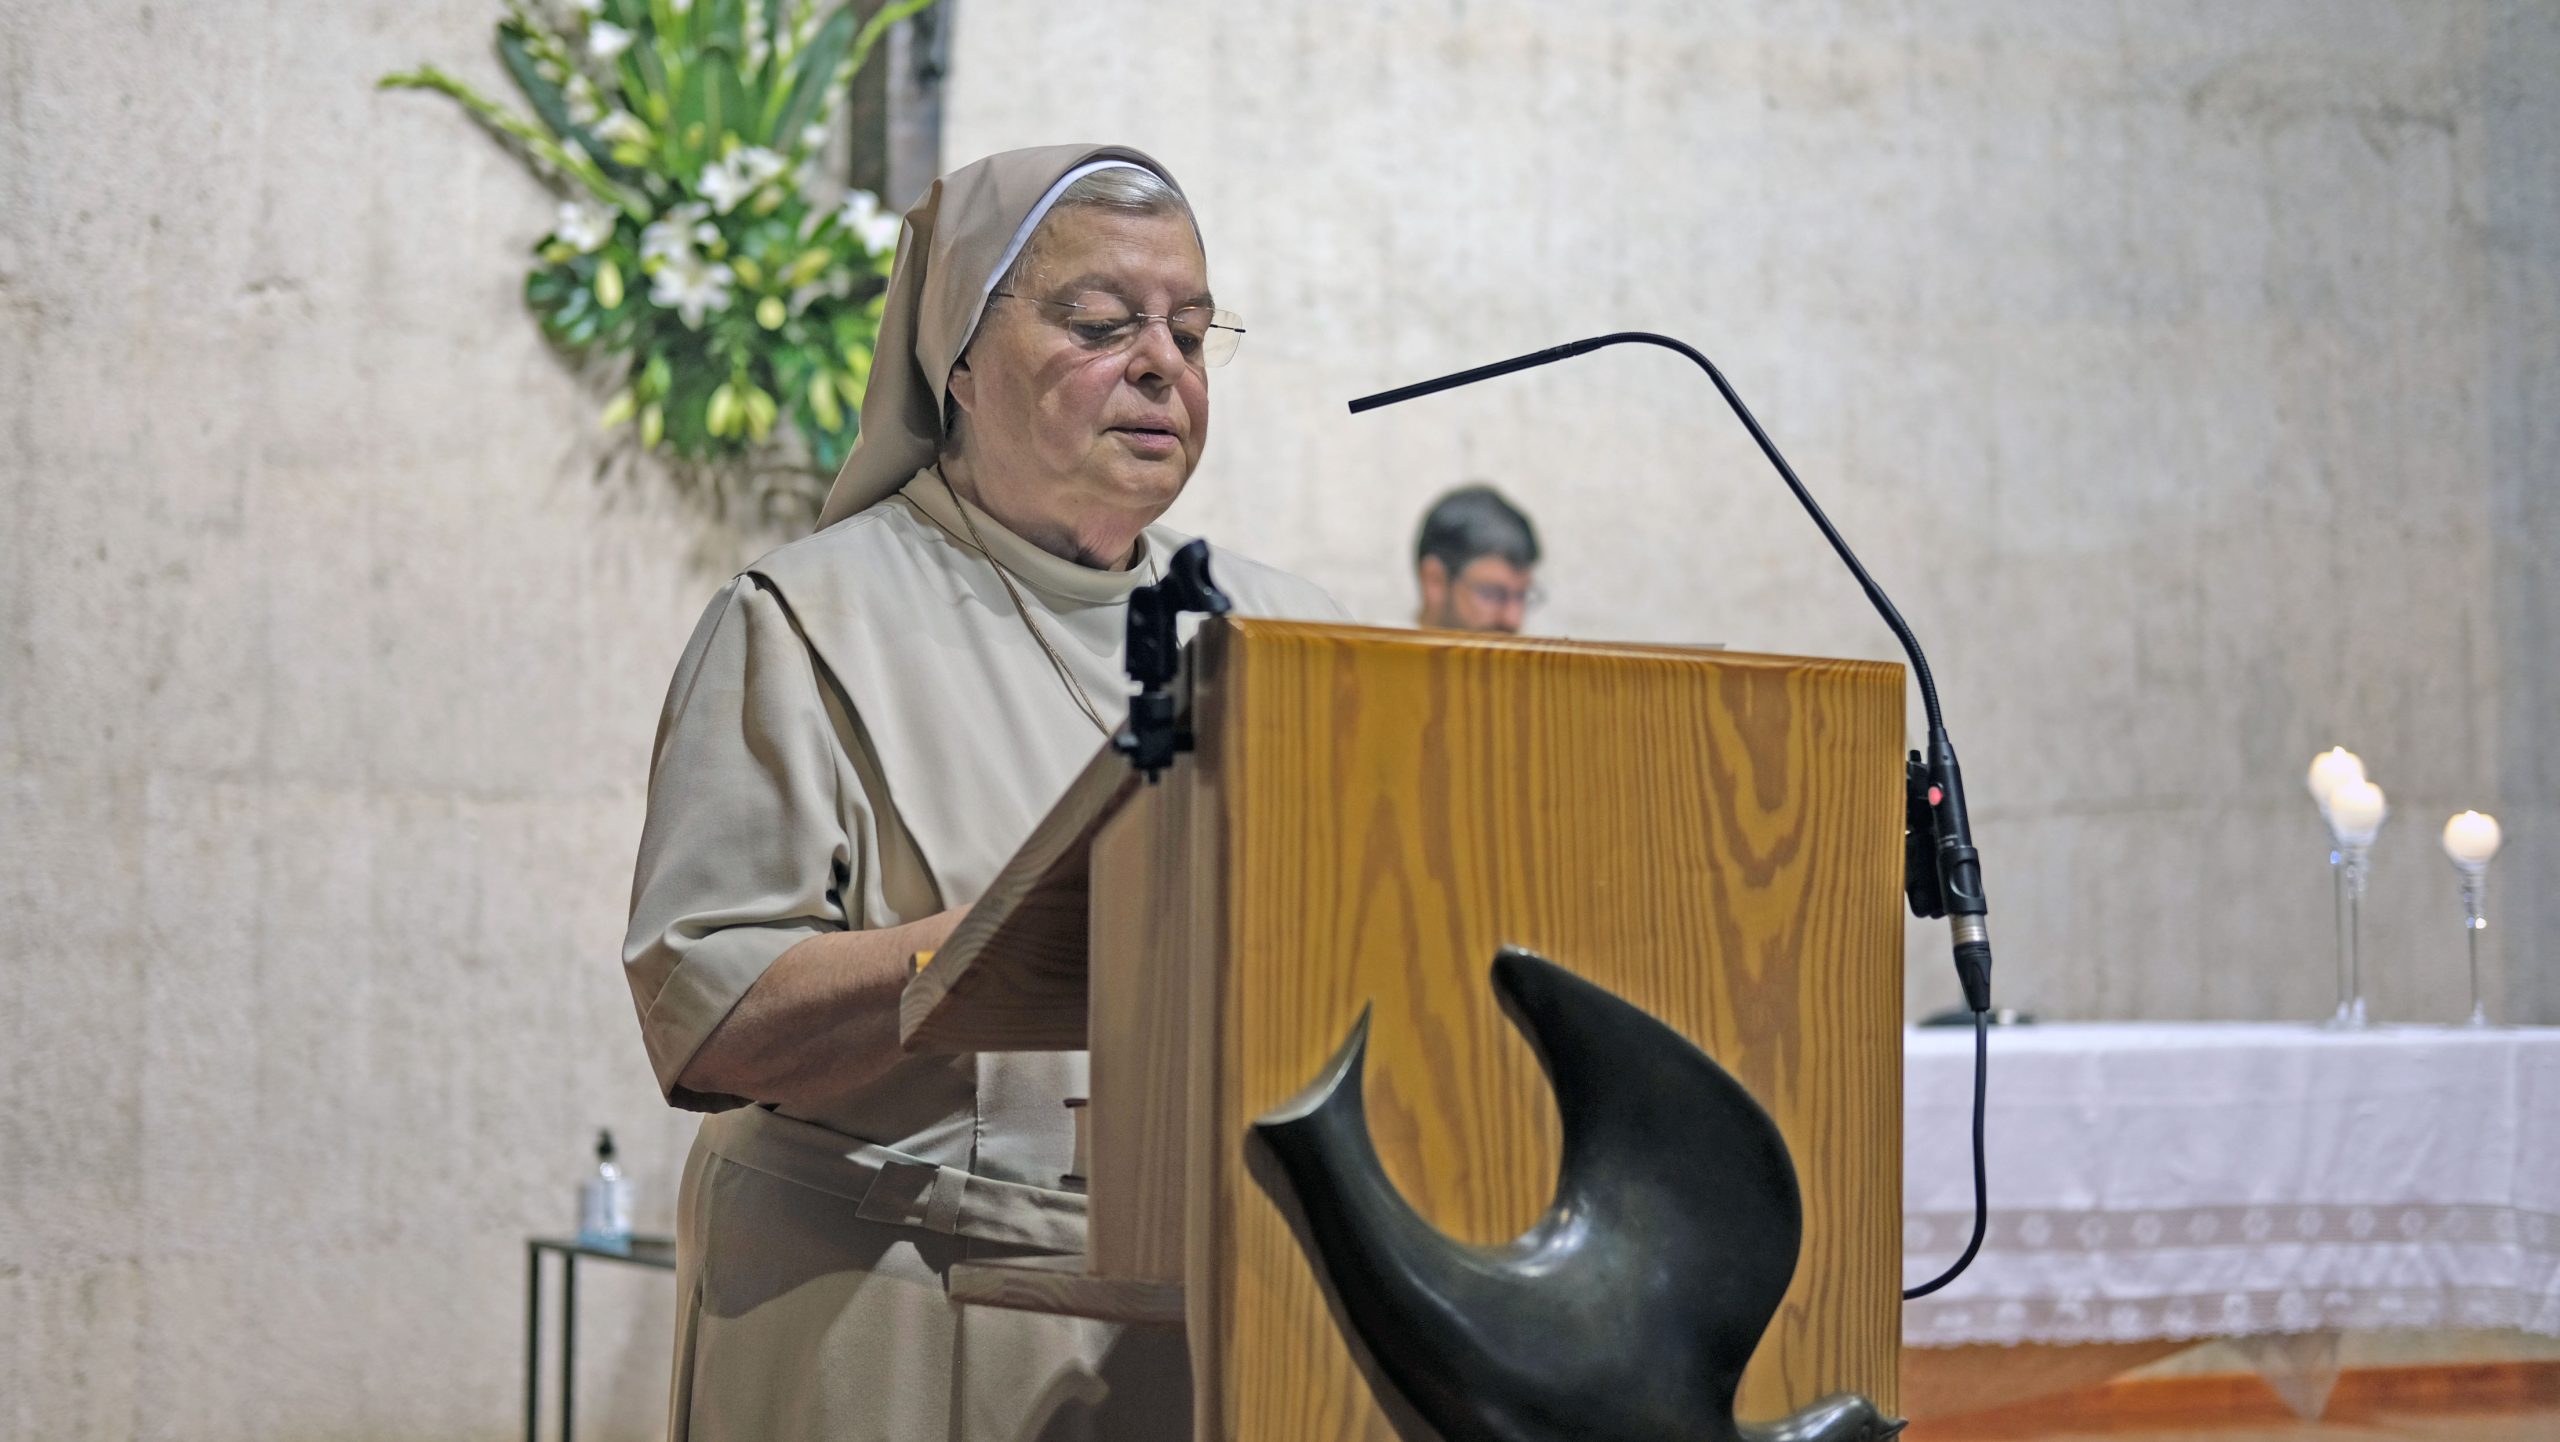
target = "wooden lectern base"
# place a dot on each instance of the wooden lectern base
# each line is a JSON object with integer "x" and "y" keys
{"x": 1061, "y": 1285}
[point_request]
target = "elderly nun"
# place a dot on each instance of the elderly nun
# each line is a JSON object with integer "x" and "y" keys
{"x": 864, "y": 726}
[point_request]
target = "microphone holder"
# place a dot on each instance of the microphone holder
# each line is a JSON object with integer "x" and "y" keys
{"x": 1154, "y": 732}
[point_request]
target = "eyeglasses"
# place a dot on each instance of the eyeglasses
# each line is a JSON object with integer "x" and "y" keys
{"x": 1500, "y": 596}
{"x": 1105, "y": 324}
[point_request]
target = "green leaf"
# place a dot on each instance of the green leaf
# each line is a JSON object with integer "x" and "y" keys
{"x": 760, "y": 411}
{"x": 552, "y": 160}
{"x": 710, "y": 106}
{"x": 728, "y": 19}
{"x": 812, "y": 71}
{"x": 644, "y": 81}
{"x": 877, "y": 27}
{"x": 618, "y": 409}
{"x": 822, "y": 401}
{"x": 777, "y": 27}
{"x": 834, "y": 54}
{"x": 677, "y": 26}
{"x": 811, "y": 264}
{"x": 545, "y": 97}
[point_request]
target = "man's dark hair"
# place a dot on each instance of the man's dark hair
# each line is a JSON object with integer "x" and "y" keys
{"x": 1474, "y": 521}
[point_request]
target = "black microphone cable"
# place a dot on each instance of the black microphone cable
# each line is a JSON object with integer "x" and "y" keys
{"x": 1953, "y": 886}
{"x": 1981, "y": 1174}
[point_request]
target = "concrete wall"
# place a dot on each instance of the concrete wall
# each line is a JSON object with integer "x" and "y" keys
{"x": 325, "y": 706}
{"x": 2185, "y": 372}
{"x": 2520, "y": 392}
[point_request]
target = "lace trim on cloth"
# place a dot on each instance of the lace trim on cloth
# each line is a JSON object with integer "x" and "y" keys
{"x": 2190, "y": 1273}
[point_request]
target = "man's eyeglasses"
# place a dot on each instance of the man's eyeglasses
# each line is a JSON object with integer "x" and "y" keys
{"x": 1500, "y": 596}
{"x": 1105, "y": 323}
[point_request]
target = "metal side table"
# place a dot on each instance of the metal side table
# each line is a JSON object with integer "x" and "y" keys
{"x": 657, "y": 1253}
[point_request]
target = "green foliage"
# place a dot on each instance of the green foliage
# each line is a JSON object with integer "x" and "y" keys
{"x": 738, "y": 309}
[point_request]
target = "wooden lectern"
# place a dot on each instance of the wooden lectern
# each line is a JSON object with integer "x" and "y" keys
{"x": 1367, "y": 816}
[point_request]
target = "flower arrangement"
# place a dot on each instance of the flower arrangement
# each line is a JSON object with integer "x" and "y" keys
{"x": 697, "y": 253}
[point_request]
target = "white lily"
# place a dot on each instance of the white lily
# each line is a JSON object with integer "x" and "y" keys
{"x": 585, "y": 106}
{"x": 723, "y": 186}
{"x": 874, "y": 227}
{"x": 606, "y": 41}
{"x": 584, "y": 226}
{"x": 735, "y": 176}
{"x": 622, "y": 128}
{"x": 663, "y": 240}
{"x": 677, "y": 233}
{"x": 692, "y": 287}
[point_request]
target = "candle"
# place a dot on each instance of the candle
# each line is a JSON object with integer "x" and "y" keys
{"x": 2332, "y": 769}
{"x": 2356, "y": 810}
{"x": 2470, "y": 839}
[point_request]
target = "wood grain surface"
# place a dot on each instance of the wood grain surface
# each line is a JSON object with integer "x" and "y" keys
{"x": 1940, "y": 1382}
{"x": 2515, "y": 1401}
{"x": 1716, "y": 838}
{"x": 1153, "y": 917}
{"x": 1063, "y": 1285}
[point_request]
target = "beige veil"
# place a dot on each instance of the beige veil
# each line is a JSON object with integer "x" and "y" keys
{"x": 956, "y": 241}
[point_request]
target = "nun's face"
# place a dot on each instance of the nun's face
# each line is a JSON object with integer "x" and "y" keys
{"x": 1072, "y": 435}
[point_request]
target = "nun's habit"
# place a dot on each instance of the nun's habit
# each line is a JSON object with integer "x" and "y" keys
{"x": 860, "y": 732}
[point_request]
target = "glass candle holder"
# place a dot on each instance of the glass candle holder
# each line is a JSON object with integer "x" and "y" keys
{"x": 2330, "y": 771}
{"x": 2474, "y": 921}
{"x": 2349, "y": 863}
{"x": 2356, "y": 809}
{"x": 2470, "y": 840}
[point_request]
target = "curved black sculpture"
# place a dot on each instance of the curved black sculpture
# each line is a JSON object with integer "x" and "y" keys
{"x": 1627, "y": 1312}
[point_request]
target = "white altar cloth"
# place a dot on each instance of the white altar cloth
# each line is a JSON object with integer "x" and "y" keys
{"x": 2228, "y": 1180}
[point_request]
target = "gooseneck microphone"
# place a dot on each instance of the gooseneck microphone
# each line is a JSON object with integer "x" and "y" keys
{"x": 1942, "y": 872}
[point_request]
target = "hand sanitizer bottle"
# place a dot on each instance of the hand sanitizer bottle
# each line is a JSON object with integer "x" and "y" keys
{"x": 604, "y": 1201}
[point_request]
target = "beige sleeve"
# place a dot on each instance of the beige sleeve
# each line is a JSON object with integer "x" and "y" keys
{"x": 746, "y": 849}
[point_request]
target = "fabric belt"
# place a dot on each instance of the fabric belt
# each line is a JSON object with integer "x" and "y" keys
{"x": 887, "y": 1185}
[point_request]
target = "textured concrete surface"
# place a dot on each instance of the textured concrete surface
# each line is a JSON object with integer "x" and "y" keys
{"x": 325, "y": 706}
{"x": 2183, "y": 368}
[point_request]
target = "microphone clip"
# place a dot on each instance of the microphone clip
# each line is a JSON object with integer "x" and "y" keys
{"x": 1154, "y": 734}
{"x": 1920, "y": 844}
{"x": 1941, "y": 870}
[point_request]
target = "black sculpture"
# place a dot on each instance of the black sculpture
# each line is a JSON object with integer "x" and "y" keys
{"x": 1627, "y": 1312}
